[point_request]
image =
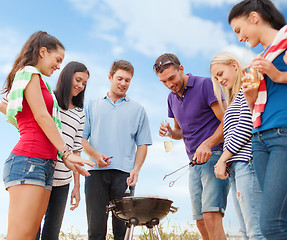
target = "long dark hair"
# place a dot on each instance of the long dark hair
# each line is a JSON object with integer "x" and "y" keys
{"x": 64, "y": 86}
{"x": 265, "y": 8}
{"x": 29, "y": 54}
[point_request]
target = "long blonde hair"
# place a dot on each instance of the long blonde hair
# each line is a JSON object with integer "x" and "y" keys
{"x": 229, "y": 94}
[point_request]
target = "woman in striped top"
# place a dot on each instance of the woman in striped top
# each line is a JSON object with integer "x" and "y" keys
{"x": 237, "y": 157}
{"x": 69, "y": 92}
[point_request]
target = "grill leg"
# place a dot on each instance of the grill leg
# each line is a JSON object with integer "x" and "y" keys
{"x": 131, "y": 232}
{"x": 157, "y": 231}
{"x": 127, "y": 233}
{"x": 151, "y": 234}
{"x": 130, "y": 228}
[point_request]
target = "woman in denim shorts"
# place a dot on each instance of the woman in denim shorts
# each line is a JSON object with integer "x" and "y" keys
{"x": 28, "y": 171}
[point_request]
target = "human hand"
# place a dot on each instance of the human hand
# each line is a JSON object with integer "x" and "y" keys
{"x": 75, "y": 159}
{"x": 76, "y": 168}
{"x": 165, "y": 130}
{"x": 102, "y": 160}
{"x": 250, "y": 93}
{"x": 75, "y": 198}
{"x": 220, "y": 170}
{"x": 133, "y": 178}
{"x": 202, "y": 153}
{"x": 264, "y": 66}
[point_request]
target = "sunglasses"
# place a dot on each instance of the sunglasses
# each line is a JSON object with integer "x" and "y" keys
{"x": 162, "y": 65}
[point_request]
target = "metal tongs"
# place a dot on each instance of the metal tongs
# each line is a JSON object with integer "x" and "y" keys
{"x": 190, "y": 164}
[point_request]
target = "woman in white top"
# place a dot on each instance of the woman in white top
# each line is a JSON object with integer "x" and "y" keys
{"x": 69, "y": 92}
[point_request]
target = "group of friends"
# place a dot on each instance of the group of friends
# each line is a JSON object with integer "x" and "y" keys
{"x": 234, "y": 132}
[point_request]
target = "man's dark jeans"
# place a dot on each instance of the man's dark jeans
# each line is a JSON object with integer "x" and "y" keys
{"x": 100, "y": 188}
{"x": 54, "y": 214}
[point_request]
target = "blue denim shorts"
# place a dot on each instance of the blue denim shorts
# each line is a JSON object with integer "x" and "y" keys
{"x": 26, "y": 170}
{"x": 207, "y": 192}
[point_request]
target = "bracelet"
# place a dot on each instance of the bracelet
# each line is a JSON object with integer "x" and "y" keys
{"x": 67, "y": 154}
{"x": 62, "y": 153}
{"x": 4, "y": 100}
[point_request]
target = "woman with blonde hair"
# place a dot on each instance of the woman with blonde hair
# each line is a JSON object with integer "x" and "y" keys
{"x": 227, "y": 58}
{"x": 236, "y": 161}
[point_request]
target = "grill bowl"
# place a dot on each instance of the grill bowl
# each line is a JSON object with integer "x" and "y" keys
{"x": 144, "y": 209}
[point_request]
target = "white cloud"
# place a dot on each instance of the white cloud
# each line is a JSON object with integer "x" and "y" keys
{"x": 84, "y": 5}
{"x": 245, "y": 55}
{"x": 280, "y": 3}
{"x": 10, "y": 41}
{"x": 117, "y": 51}
{"x": 213, "y": 2}
{"x": 152, "y": 27}
{"x": 108, "y": 37}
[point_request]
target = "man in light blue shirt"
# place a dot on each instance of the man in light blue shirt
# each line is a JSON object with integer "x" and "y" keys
{"x": 118, "y": 132}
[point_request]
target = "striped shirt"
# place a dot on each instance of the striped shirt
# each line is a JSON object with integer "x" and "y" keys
{"x": 72, "y": 131}
{"x": 237, "y": 129}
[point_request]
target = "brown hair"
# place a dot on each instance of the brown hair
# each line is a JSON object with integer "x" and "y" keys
{"x": 29, "y": 54}
{"x": 123, "y": 65}
{"x": 168, "y": 57}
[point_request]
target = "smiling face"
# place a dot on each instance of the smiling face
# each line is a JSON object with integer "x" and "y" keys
{"x": 246, "y": 29}
{"x": 50, "y": 61}
{"x": 224, "y": 74}
{"x": 174, "y": 79}
{"x": 79, "y": 83}
{"x": 120, "y": 83}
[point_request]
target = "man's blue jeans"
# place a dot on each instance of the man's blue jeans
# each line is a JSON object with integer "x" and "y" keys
{"x": 270, "y": 161}
{"x": 100, "y": 188}
{"x": 247, "y": 197}
{"x": 207, "y": 192}
{"x": 54, "y": 214}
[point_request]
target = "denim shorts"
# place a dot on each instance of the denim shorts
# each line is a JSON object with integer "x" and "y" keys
{"x": 27, "y": 170}
{"x": 207, "y": 192}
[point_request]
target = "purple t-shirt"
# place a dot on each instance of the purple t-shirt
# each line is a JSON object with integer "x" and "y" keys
{"x": 193, "y": 112}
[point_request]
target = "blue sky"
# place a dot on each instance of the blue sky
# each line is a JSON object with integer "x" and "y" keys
{"x": 97, "y": 32}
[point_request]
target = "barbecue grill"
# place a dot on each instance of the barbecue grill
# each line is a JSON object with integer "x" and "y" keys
{"x": 141, "y": 211}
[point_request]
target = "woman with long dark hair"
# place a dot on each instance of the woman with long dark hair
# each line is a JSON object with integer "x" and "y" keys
{"x": 260, "y": 22}
{"x": 70, "y": 93}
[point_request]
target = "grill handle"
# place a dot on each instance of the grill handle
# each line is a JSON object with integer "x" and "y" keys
{"x": 110, "y": 207}
{"x": 173, "y": 209}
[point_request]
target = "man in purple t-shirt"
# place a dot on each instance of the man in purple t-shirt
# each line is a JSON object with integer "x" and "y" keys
{"x": 197, "y": 120}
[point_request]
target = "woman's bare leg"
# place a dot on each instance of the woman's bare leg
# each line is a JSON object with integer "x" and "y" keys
{"x": 27, "y": 206}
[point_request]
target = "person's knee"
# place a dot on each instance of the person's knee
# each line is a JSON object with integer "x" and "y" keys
{"x": 266, "y": 227}
{"x": 212, "y": 218}
{"x": 23, "y": 233}
{"x": 200, "y": 224}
